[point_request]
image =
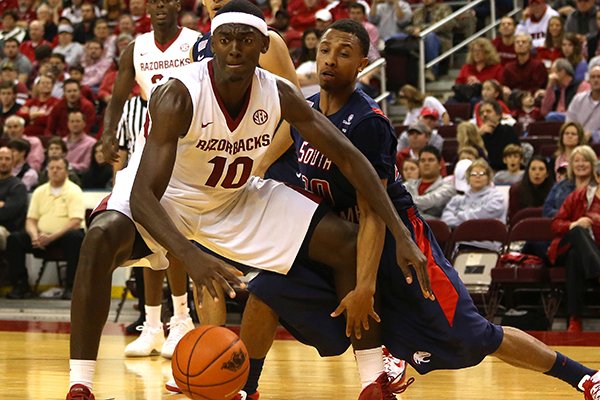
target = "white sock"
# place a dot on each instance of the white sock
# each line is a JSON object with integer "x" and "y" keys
{"x": 82, "y": 372}
{"x": 153, "y": 316}
{"x": 180, "y": 308}
{"x": 370, "y": 365}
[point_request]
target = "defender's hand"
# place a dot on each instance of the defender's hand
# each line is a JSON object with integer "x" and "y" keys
{"x": 359, "y": 306}
{"x": 110, "y": 146}
{"x": 407, "y": 255}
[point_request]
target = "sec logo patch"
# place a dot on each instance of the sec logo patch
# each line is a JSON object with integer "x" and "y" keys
{"x": 260, "y": 117}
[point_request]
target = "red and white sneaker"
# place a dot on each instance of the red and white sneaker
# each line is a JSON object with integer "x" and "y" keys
{"x": 80, "y": 392}
{"x": 245, "y": 396}
{"x": 395, "y": 368}
{"x": 382, "y": 389}
{"x": 172, "y": 387}
{"x": 591, "y": 387}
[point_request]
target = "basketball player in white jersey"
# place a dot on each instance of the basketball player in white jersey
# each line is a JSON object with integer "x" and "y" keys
{"x": 148, "y": 59}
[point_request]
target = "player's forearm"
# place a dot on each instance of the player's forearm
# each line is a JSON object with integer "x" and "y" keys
{"x": 113, "y": 113}
{"x": 370, "y": 241}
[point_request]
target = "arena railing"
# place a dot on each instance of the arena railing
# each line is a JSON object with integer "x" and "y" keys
{"x": 378, "y": 66}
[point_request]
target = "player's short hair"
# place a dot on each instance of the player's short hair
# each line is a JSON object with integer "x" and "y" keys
{"x": 355, "y": 28}
{"x": 431, "y": 150}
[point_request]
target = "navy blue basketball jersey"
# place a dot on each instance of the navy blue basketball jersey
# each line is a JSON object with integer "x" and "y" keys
{"x": 201, "y": 48}
{"x": 370, "y": 131}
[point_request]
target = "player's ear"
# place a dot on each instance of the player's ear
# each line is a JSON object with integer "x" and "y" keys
{"x": 363, "y": 64}
{"x": 178, "y": 2}
{"x": 266, "y": 43}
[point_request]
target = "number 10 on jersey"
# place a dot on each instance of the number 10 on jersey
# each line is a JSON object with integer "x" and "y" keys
{"x": 230, "y": 171}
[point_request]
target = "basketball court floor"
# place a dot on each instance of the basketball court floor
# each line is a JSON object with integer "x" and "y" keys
{"x": 34, "y": 347}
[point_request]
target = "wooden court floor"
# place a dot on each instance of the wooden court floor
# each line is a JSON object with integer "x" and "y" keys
{"x": 35, "y": 366}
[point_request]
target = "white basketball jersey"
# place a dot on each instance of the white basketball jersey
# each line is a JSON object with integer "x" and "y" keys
{"x": 218, "y": 154}
{"x": 153, "y": 61}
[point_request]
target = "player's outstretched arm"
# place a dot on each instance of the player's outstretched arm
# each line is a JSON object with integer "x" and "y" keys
{"x": 318, "y": 130}
{"x": 155, "y": 170}
{"x": 120, "y": 93}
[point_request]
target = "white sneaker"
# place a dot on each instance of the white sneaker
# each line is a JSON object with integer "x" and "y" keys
{"x": 150, "y": 342}
{"x": 172, "y": 387}
{"x": 177, "y": 329}
{"x": 394, "y": 367}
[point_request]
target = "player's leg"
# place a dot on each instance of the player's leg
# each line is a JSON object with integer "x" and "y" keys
{"x": 107, "y": 244}
{"x": 181, "y": 321}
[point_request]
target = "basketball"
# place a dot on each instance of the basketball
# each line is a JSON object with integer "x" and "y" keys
{"x": 210, "y": 362}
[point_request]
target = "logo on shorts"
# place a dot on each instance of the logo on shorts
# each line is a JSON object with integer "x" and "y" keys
{"x": 421, "y": 357}
{"x": 235, "y": 362}
{"x": 184, "y": 47}
{"x": 260, "y": 117}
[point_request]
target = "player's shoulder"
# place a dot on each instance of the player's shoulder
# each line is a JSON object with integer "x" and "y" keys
{"x": 201, "y": 48}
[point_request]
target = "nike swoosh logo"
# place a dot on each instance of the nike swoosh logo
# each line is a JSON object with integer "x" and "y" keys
{"x": 143, "y": 54}
{"x": 299, "y": 175}
{"x": 206, "y": 124}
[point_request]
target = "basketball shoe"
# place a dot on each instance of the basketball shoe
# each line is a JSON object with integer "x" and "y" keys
{"x": 394, "y": 368}
{"x": 178, "y": 327}
{"x": 150, "y": 342}
{"x": 591, "y": 387}
{"x": 382, "y": 389}
{"x": 80, "y": 392}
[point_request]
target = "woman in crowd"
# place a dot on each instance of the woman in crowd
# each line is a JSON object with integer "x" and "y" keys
{"x": 572, "y": 51}
{"x": 491, "y": 90}
{"x": 306, "y": 69}
{"x": 582, "y": 164}
{"x": 410, "y": 169}
{"x": 533, "y": 188}
{"x": 100, "y": 173}
{"x": 483, "y": 63}
{"x": 552, "y": 48}
{"x": 570, "y": 136}
{"x": 410, "y": 97}
{"x": 467, "y": 135}
{"x": 577, "y": 230}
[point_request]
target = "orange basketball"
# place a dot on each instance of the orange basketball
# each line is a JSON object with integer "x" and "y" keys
{"x": 210, "y": 363}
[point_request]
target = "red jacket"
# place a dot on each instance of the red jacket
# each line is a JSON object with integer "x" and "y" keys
{"x": 302, "y": 17}
{"x": 490, "y": 72}
{"x": 574, "y": 207}
{"x": 57, "y": 120}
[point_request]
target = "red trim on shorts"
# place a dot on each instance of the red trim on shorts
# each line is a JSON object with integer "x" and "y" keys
{"x": 445, "y": 293}
{"x": 165, "y": 47}
{"x": 103, "y": 206}
{"x": 317, "y": 199}
{"x": 232, "y": 124}
{"x": 147, "y": 124}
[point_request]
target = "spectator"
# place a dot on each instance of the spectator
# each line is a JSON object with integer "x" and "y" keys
{"x": 582, "y": 21}
{"x": 430, "y": 193}
{"x": 593, "y": 44}
{"x": 495, "y": 135}
{"x": 467, "y": 153}
{"x": 418, "y": 137}
{"x": 108, "y": 40}
{"x": 562, "y": 87}
{"x": 441, "y": 40}
{"x": 302, "y": 13}
{"x": 481, "y": 200}
{"x": 564, "y": 7}
{"x": 580, "y": 172}
{"x": 552, "y": 48}
{"x": 84, "y": 30}
{"x": 57, "y": 68}
{"x": 512, "y": 158}
{"x": 281, "y": 23}
{"x": 492, "y": 90}
{"x": 79, "y": 143}
{"x": 36, "y": 39}
{"x": 505, "y": 43}
{"x": 53, "y": 220}
{"x": 308, "y": 49}
{"x": 533, "y": 188}
{"x": 483, "y": 63}
{"x": 411, "y": 98}
{"x": 430, "y": 118}
{"x": 575, "y": 245}
{"x": 190, "y": 20}
{"x": 10, "y": 29}
{"x": 18, "y": 60}
{"x": 358, "y": 13}
{"x": 524, "y": 73}
{"x": 57, "y": 121}
{"x": 572, "y": 51}
{"x": 571, "y": 135}
{"x": 340, "y": 9}
{"x": 390, "y": 16}
{"x": 57, "y": 148}
{"x": 21, "y": 169}
{"x": 323, "y": 19}
{"x": 126, "y": 25}
{"x": 410, "y": 169}
{"x": 13, "y": 205}
{"x": 585, "y": 107}
{"x": 307, "y": 63}
{"x": 72, "y": 51}
{"x": 45, "y": 15}
{"x": 94, "y": 64}
{"x": 37, "y": 109}
{"x": 14, "y": 128}
{"x": 73, "y": 12}
{"x": 76, "y": 72}
{"x": 468, "y": 135}
{"x": 524, "y": 109}
{"x": 100, "y": 173}
{"x": 8, "y": 101}
{"x": 114, "y": 8}
{"x": 141, "y": 20}
{"x": 9, "y": 74}
{"x": 535, "y": 21}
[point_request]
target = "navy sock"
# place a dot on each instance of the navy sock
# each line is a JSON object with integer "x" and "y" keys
{"x": 256, "y": 366}
{"x": 568, "y": 370}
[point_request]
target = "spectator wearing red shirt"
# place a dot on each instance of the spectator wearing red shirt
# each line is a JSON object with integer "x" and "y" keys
{"x": 302, "y": 13}
{"x": 9, "y": 74}
{"x": 72, "y": 100}
{"x": 137, "y": 9}
{"x": 505, "y": 43}
{"x": 483, "y": 63}
{"x": 340, "y": 9}
{"x": 36, "y": 38}
{"x": 37, "y": 109}
{"x": 8, "y": 4}
{"x": 76, "y": 72}
{"x": 553, "y": 42}
{"x": 525, "y": 73}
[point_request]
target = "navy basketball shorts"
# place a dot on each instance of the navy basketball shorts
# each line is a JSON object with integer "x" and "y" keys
{"x": 447, "y": 333}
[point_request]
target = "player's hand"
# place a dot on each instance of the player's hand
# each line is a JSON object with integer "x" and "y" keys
{"x": 110, "y": 146}
{"x": 359, "y": 306}
{"x": 409, "y": 255}
{"x": 209, "y": 271}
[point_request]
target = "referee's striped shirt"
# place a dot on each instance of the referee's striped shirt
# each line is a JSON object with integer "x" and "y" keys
{"x": 132, "y": 123}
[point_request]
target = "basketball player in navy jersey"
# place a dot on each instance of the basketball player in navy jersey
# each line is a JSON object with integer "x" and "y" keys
{"x": 448, "y": 333}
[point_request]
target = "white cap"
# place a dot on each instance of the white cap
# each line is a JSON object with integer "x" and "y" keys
{"x": 323, "y": 15}
{"x": 461, "y": 183}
